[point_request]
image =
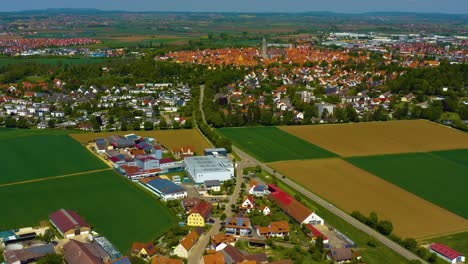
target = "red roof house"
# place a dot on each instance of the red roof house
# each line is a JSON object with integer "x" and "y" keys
{"x": 69, "y": 223}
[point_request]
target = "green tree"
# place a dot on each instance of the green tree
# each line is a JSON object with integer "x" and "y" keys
{"x": 223, "y": 217}
{"x": 136, "y": 260}
{"x": 385, "y": 227}
{"x": 148, "y": 125}
{"x": 49, "y": 235}
{"x": 163, "y": 124}
{"x": 372, "y": 220}
{"x": 136, "y": 125}
{"x": 51, "y": 123}
{"x": 410, "y": 243}
{"x": 124, "y": 126}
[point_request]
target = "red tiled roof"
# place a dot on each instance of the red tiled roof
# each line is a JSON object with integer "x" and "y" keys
{"x": 445, "y": 251}
{"x": 316, "y": 232}
{"x": 165, "y": 160}
{"x": 203, "y": 208}
{"x": 149, "y": 248}
{"x": 66, "y": 220}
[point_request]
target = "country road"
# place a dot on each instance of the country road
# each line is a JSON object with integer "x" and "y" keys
{"x": 249, "y": 161}
{"x": 343, "y": 215}
{"x": 199, "y": 248}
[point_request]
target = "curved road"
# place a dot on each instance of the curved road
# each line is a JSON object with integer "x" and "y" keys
{"x": 384, "y": 240}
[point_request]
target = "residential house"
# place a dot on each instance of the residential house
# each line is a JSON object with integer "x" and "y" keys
{"x": 76, "y": 252}
{"x": 219, "y": 241}
{"x": 248, "y": 203}
{"x": 446, "y": 253}
{"x": 274, "y": 229}
{"x": 27, "y": 255}
{"x": 200, "y": 214}
{"x": 238, "y": 226}
{"x": 143, "y": 250}
{"x": 257, "y": 189}
{"x": 189, "y": 203}
{"x": 186, "y": 245}
{"x": 216, "y": 258}
{"x": 265, "y": 210}
{"x": 234, "y": 255}
{"x": 165, "y": 260}
{"x": 69, "y": 223}
{"x": 213, "y": 185}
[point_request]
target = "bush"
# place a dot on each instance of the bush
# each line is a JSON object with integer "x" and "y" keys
{"x": 372, "y": 242}
{"x": 395, "y": 238}
{"x": 385, "y": 227}
{"x": 360, "y": 217}
{"x": 410, "y": 244}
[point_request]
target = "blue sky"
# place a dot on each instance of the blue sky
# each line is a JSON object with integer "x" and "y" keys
{"x": 346, "y": 6}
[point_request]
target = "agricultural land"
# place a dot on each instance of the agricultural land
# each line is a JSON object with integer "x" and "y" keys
{"x": 36, "y": 157}
{"x": 438, "y": 177}
{"x": 375, "y": 138}
{"x": 121, "y": 211}
{"x": 352, "y": 188}
{"x": 269, "y": 144}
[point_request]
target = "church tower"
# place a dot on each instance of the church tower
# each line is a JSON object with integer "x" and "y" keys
{"x": 264, "y": 48}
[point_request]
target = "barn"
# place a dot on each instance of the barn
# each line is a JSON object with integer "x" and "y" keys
{"x": 69, "y": 223}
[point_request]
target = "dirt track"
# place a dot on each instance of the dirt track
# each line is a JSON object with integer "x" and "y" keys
{"x": 373, "y": 138}
{"x": 351, "y": 188}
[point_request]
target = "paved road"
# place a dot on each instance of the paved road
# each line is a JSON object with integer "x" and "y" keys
{"x": 199, "y": 248}
{"x": 384, "y": 240}
{"x": 202, "y": 95}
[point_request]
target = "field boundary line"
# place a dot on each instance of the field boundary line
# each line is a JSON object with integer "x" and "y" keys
{"x": 53, "y": 177}
{"x": 422, "y": 239}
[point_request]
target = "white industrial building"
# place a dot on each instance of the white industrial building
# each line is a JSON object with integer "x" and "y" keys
{"x": 207, "y": 168}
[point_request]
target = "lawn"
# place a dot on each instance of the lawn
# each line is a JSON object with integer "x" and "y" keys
{"x": 269, "y": 144}
{"x": 28, "y": 155}
{"x": 117, "y": 208}
{"x": 439, "y": 177}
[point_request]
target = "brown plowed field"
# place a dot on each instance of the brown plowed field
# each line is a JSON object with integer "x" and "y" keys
{"x": 351, "y": 188}
{"x": 374, "y": 138}
{"x": 169, "y": 138}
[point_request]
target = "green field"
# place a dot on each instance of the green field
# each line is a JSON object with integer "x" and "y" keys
{"x": 26, "y": 156}
{"x": 117, "y": 208}
{"x": 458, "y": 242}
{"x": 270, "y": 144}
{"x": 439, "y": 177}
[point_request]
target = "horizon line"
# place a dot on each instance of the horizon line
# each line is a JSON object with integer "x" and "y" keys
{"x": 231, "y": 12}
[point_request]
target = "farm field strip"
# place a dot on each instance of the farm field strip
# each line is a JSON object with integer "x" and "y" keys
{"x": 438, "y": 177}
{"x": 376, "y": 138}
{"x": 116, "y": 208}
{"x": 351, "y": 188}
{"x": 269, "y": 144}
{"x": 53, "y": 177}
{"x": 38, "y": 156}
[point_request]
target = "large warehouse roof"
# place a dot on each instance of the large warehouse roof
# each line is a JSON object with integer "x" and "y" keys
{"x": 209, "y": 163}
